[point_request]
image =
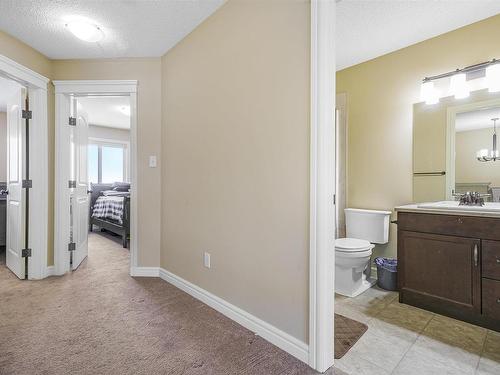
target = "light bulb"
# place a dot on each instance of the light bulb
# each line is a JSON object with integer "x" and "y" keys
{"x": 85, "y": 31}
{"x": 428, "y": 93}
{"x": 493, "y": 78}
{"x": 482, "y": 153}
{"x": 458, "y": 86}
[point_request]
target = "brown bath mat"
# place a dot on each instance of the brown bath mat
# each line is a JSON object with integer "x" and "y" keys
{"x": 347, "y": 333}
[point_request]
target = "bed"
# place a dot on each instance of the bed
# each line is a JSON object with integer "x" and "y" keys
{"x": 110, "y": 209}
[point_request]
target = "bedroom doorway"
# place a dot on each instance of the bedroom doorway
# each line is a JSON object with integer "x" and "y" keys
{"x": 95, "y": 158}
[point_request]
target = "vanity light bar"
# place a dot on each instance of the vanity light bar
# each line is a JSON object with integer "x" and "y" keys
{"x": 467, "y": 69}
{"x": 458, "y": 84}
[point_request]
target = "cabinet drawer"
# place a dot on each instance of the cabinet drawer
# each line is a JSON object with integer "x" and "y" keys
{"x": 491, "y": 259}
{"x": 452, "y": 225}
{"x": 491, "y": 299}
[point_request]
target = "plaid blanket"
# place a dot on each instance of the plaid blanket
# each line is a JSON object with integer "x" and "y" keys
{"x": 109, "y": 207}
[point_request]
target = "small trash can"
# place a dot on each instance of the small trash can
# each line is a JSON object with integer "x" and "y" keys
{"x": 387, "y": 273}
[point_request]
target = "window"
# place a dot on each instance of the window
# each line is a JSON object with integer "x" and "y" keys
{"x": 107, "y": 162}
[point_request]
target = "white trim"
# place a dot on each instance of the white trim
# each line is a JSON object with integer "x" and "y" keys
{"x": 96, "y": 87}
{"x": 38, "y": 228}
{"x": 145, "y": 272}
{"x": 451, "y": 114}
{"x": 22, "y": 74}
{"x": 50, "y": 271}
{"x": 267, "y": 331}
{"x": 322, "y": 186}
{"x": 61, "y": 222}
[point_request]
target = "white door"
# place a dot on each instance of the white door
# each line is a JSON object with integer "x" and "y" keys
{"x": 15, "y": 173}
{"x": 79, "y": 195}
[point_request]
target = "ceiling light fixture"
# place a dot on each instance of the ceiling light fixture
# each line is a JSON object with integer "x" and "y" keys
{"x": 493, "y": 154}
{"x": 85, "y": 31}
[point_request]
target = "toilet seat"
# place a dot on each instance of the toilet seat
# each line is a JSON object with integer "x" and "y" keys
{"x": 352, "y": 245}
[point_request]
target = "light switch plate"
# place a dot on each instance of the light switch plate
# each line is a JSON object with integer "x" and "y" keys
{"x": 206, "y": 259}
{"x": 152, "y": 161}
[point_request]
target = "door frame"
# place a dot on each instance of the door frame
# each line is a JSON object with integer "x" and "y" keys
{"x": 39, "y": 208}
{"x": 322, "y": 186}
{"x": 61, "y": 209}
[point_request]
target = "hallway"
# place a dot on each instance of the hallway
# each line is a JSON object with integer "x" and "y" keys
{"x": 99, "y": 320}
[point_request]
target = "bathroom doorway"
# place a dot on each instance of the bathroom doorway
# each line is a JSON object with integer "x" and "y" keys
{"x": 341, "y": 161}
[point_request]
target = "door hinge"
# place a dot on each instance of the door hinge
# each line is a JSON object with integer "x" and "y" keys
{"x": 26, "y": 253}
{"x": 334, "y": 199}
{"x": 72, "y": 184}
{"x": 72, "y": 121}
{"x": 27, "y": 114}
{"x": 27, "y": 184}
{"x": 71, "y": 246}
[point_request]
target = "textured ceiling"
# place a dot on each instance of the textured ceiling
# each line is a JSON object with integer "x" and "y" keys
{"x": 366, "y": 29}
{"x": 132, "y": 28}
{"x": 477, "y": 119}
{"x": 105, "y": 111}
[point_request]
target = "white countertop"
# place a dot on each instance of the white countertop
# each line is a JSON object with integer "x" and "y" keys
{"x": 466, "y": 211}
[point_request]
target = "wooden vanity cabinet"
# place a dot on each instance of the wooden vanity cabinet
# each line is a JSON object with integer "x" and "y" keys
{"x": 450, "y": 265}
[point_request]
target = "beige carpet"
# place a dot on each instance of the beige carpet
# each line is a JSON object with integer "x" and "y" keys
{"x": 99, "y": 320}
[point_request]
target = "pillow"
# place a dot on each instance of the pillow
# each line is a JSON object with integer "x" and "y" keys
{"x": 121, "y": 186}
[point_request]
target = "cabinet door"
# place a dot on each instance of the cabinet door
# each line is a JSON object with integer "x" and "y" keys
{"x": 442, "y": 272}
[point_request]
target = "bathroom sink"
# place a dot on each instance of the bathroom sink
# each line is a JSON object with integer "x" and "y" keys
{"x": 454, "y": 205}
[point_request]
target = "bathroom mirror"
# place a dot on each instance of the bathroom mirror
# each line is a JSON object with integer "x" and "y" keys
{"x": 453, "y": 149}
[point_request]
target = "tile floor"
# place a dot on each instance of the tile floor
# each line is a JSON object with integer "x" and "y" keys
{"x": 402, "y": 339}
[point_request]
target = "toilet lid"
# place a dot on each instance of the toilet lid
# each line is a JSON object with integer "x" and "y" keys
{"x": 351, "y": 244}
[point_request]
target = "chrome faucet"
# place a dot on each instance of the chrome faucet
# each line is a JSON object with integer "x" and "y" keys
{"x": 472, "y": 198}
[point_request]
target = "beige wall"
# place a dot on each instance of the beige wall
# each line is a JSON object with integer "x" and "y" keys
{"x": 235, "y": 159}
{"x": 3, "y": 147}
{"x": 148, "y": 72}
{"x": 24, "y": 55}
{"x": 381, "y": 93}
{"x": 467, "y": 167}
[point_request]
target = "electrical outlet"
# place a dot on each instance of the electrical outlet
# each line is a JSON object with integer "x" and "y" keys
{"x": 206, "y": 259}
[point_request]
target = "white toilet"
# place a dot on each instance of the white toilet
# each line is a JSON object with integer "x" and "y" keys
{"x": 353, "y": 253}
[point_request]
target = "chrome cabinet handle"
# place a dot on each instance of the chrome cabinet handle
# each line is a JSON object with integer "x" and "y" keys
{"x": 476, "y": 255}
{"x": 498, "y": 300}
{"x": 498, "y": 260}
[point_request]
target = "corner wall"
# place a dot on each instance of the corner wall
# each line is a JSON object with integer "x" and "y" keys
{"x": 235, "y": 177}
{"x": 380, "y": 96}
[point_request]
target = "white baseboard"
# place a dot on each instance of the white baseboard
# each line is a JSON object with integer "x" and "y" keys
{"x": 50, "y": 271}
{"x": 272, "y": 334}
{"x": 145, "y": 272}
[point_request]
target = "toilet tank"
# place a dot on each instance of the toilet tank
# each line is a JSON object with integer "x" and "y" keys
{"x": 369, "y": 225}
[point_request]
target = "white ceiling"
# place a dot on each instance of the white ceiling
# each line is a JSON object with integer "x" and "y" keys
{"x": 105, "y": 111}
{"x": 7, "y": 90}
{"x": 366, "y": 29}
{"x": 132, "y": 28}
{"x": 477, "y": 120}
